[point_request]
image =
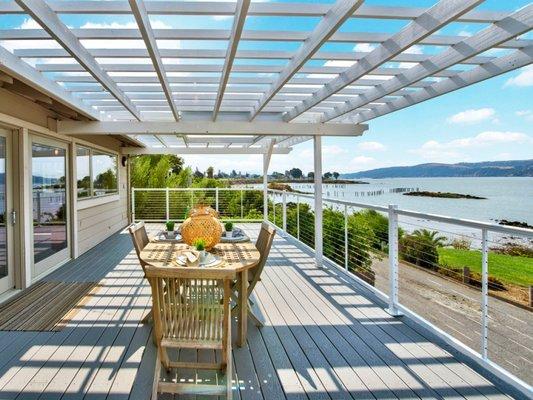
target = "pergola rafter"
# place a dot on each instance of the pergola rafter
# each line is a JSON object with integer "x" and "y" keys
{"x": 509, "y": 27}
{"x": 335, "y": 17}
{"x": 51, "y": 23}
{"x": 236, "y": 31}
{"x": 254, "y": 90}
{"x": 519, "y": 58}
{"x": 424, "y": 25}
{"x": 143, "y": 22}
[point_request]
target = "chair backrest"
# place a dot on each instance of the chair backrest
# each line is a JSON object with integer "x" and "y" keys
{"x": 139, "y": 237}
{"x": 263, "y": 244}
{"x": 188, "y": 309}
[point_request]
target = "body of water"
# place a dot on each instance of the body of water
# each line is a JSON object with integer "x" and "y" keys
{"x": 506, "y": 198}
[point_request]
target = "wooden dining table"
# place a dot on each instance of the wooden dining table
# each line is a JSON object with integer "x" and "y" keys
{"x": 237, "y": 257}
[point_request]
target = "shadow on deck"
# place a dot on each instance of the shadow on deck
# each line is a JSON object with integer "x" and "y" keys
{"x": 325, "y": 337}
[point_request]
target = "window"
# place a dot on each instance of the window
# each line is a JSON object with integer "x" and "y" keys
{"x": 97, "y": 173}
{"x": 83, "y": 172}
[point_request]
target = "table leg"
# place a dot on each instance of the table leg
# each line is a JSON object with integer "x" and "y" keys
{"x": 243, "y": 308}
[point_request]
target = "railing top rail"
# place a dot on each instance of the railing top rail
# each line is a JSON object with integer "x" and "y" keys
{"x": 492, "y": 227}
{"x": 191, "y": 189}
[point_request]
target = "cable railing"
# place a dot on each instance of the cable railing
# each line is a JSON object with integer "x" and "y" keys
{"x": 468, "y": 281}
{"x": 471, "y": 280}
{"x": 164, "y": 204}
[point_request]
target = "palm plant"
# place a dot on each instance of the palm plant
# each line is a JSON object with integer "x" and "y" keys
{"x": 431, "y": 237}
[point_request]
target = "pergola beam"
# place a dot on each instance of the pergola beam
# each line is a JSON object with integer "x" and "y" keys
{"x": 509, "y": 27}
{"x": 202, "y": 150}
{"x": 224, "y": 35}
{"x": 143, "y": 22}
{"x": 427, "y": 23}
{"x": 208, "y": 128}
{"x": 236, "y": 31}
{"x": 256, "y": 9}
{"x": 51, "y": 23}
{"x": 219, "y": 54}
{"x": 335, "y": 17}
{"x": 517, "y": 59}
{"x": 22, "y": 71}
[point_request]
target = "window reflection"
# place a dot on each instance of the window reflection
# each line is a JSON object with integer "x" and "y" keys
{"x": 49, "y": 200}
{"x": 83, "y": 172}
{"x": 104, "y": 173}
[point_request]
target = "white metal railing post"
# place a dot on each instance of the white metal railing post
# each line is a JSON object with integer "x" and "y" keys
{"x": 393, "y": 261}
{"x": 216, "y": 199}
{"x": 133, "y": 205}
{"x": 317, "y": 160}
{"x": 484, "y": 293}
{"x": 298, "y": 217}
{"x": 284, "y": 215}
{"x": 167, "y": 204}
{"x": 346, "y": 237}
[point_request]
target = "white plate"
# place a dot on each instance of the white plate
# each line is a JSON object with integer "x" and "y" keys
{"x": 210, "y": 261}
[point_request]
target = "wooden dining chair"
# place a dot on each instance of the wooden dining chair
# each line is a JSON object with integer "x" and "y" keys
{"x": 140, "y": 240}
{"x": 263, "y": 245}
{"x": 193, "y": 313}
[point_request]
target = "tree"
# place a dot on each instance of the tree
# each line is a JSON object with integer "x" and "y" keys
{"x": 336, "y": 175}
{"x": 311, "y": 175}
{"x": 198, "y": 174}
{"x": 327, "y": 176}
{"x": 296, "y": 173}
{"x": 210, "y": 172}
{"x": 420, "y": 248}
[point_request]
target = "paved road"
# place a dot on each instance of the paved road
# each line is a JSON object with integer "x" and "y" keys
{"x": 456, "y": 309}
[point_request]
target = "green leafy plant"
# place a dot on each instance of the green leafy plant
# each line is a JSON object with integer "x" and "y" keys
{"x": 228, "y": 226}
{"x": 170, "y": 226}
{"x": 199, "y": 244}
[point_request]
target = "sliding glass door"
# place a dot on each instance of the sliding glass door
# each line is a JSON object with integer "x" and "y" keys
{"x": 50, "y": 204}
{"x": 7, "y": 280}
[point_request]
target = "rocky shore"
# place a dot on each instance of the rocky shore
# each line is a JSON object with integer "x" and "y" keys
{"x": 444, "y": 195}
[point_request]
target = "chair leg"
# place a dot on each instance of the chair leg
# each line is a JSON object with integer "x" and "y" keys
{"x": 157, "y": 377}
{"x": 256, "y": 320}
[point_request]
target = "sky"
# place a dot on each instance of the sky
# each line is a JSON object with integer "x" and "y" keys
{"x": 491, "y": 120}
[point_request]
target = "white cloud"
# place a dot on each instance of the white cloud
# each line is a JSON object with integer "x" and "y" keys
{"x": 29, "y": 23}
{"x": 523, "y": 79}
{"x": 465, "y": 33}
{"x": 156, "y": 24}
{"x": 527, "y": 114}
{"x": 371, "y": 146}
{"x": 364, "y": 47}
{"x": 472, "y": 116}
{"x": 452, "y": 150}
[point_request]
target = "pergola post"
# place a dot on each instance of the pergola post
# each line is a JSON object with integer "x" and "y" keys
{"x": 317, "y": 144}
{"x": 266, "y": 163}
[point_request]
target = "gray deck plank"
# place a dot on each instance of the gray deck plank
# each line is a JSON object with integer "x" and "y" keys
{"x": 330, "y": 340}
{"x": 325, "y": 337}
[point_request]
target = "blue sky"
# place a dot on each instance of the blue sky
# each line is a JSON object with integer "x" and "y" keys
{"x": 488, "y": 121}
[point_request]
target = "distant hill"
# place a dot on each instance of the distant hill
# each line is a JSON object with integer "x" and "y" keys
{"x": 435, "y": 170}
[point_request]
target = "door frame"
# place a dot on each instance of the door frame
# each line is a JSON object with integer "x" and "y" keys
{"x": 10, "y": 281}
{"x": 54, "y": 261}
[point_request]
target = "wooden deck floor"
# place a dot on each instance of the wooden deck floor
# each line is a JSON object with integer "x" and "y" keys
{"x": 325, "y": 337}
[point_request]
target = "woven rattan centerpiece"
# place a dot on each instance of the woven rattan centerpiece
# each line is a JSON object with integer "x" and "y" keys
{"x": 203, "y": 223}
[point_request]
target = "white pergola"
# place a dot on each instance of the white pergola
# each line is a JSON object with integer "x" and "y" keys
{"x": 239, "y": 90}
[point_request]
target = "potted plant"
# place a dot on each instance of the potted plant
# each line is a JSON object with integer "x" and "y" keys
{"x": 228, "y": 227}
{"x": 199, "y": 245}
{"x": 170, "y": 229}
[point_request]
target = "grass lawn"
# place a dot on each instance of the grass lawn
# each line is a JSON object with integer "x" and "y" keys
{"x": 508, "y": 269}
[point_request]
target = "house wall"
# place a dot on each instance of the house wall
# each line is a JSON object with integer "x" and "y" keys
{"x": 91, "y": 220}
